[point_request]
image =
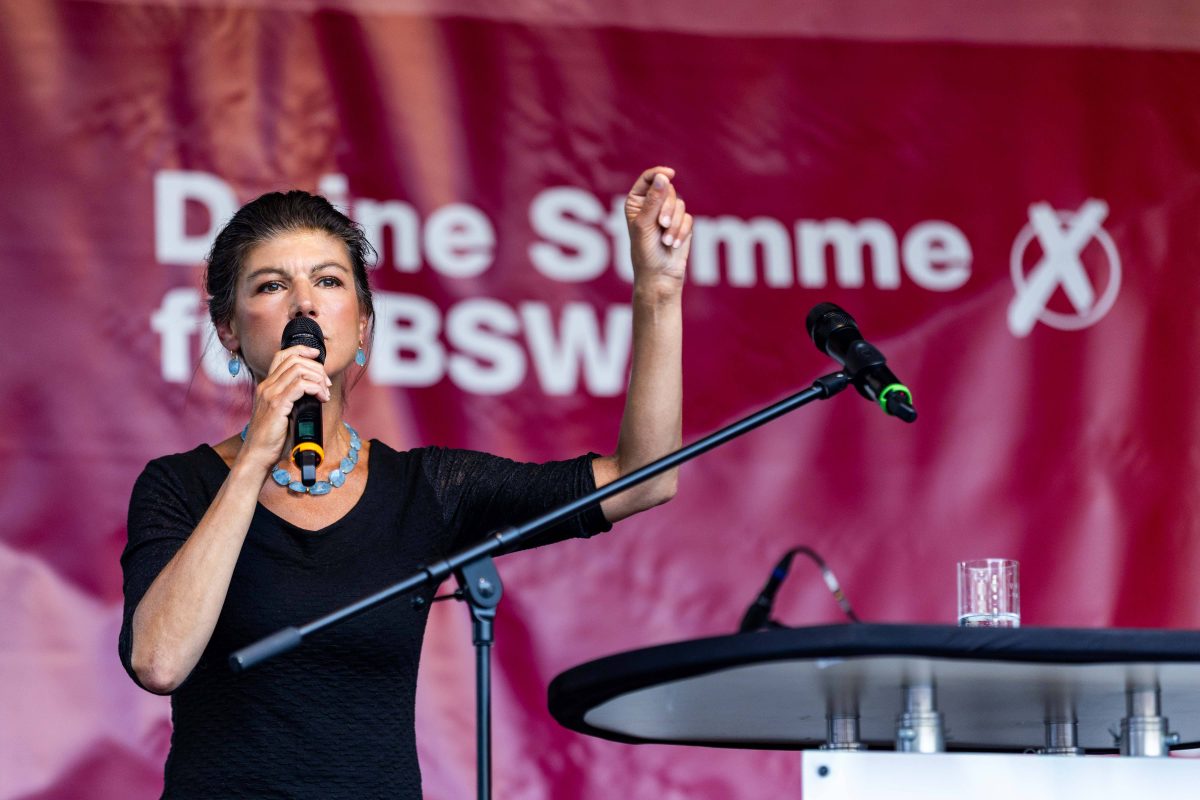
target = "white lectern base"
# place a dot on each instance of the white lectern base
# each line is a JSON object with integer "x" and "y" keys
{"x": 832, "y": 775}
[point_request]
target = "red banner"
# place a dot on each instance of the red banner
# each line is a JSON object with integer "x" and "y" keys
{"x": 1007, "y": 204}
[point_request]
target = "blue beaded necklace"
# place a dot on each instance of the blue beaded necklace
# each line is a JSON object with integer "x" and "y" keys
{"x": 337, "y": 476}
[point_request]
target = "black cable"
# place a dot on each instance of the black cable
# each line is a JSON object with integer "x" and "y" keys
{"x": 831, "y": 581}
{"x": 758, "y": 615}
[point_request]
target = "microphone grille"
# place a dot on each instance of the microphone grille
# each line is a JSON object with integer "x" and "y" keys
{"x": 823, "y": 320}
{"x": 304, "y": 331}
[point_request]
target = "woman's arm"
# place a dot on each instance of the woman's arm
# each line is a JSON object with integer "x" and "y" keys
{"x": 176, "y": 616}
{"x": 660, "y": 232}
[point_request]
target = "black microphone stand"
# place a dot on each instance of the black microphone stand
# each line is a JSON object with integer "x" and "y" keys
{"x": 480, "y": 582}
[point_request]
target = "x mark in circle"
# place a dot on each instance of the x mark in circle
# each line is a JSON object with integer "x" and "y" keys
{"x": 1063, "y": 237}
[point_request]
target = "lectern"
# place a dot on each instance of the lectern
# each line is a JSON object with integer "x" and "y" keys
{"x": 922, "y": 691}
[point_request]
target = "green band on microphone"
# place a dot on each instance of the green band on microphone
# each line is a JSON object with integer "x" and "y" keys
{"x": 893, "y": 387}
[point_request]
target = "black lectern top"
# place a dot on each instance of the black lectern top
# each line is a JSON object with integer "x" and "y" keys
{"x": 773, "y": 689}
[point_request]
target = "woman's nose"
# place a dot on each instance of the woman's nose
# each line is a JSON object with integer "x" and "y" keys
{"x": 302, "y": 304}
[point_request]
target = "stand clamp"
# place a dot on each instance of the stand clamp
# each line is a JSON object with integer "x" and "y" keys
{"x": 1144, "y": 730}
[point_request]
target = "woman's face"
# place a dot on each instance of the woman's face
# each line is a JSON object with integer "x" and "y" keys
{"x": 299, "y": 273}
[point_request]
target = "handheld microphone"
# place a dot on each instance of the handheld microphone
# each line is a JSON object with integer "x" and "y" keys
{"x": 305, "y": 419}
{"x": 836, "y": 334}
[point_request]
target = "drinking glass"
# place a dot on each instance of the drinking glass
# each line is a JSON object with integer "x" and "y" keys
{"x": 989, "y": 593}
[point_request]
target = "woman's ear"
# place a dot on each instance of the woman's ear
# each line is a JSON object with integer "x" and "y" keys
{"x": 229, "y": 339}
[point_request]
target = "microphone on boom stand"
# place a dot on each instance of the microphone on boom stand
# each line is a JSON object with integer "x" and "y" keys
{"x": 836, "y": 334}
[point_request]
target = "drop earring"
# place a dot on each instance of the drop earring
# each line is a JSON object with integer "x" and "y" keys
{"x": 360, "y": 357}
{"x": 234, "y": 365}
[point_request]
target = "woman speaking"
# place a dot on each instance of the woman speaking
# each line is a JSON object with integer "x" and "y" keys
{"x": 227, "y": 544}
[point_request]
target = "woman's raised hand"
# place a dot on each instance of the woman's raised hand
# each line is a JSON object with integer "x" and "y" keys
{"x": 660, "y": 229}
{"x": 294, "y": 372}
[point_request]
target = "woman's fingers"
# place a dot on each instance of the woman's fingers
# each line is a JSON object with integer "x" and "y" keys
{"x": 293, "y": 353}
{"x": 685, "y": 230}
{"x": 668, "y": 207}
{"x": 644, "y": 203}
{"x": 286, "y": 364}
{"x": 303, "y": 365}
{"x": 292, "y": 381}
{"x": 297, "y": 388}
{"x": 664, "y": 204}
{"x": 674, "y": 225}
{"x": 660, "y": 192}
{"x": 641, "y": 187}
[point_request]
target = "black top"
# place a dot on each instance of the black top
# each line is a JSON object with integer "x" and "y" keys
{"x": 333, "y": 718}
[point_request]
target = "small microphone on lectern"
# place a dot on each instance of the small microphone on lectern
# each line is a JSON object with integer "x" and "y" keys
{"x": 759, "y": 611}
{"x": 758, "y": 615}
{"x": 836, "y": 334}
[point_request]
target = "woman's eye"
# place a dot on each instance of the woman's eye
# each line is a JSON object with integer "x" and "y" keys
{"x": 329, "y": 281}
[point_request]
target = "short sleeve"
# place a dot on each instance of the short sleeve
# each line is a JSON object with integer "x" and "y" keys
{"x": 479, "y": 493}
{"x": 159, "y": 523}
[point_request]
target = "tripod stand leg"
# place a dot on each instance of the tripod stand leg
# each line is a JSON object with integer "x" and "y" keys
{"x": 483, "y": 716}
